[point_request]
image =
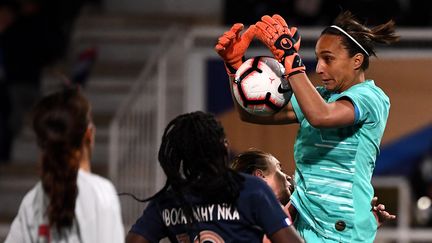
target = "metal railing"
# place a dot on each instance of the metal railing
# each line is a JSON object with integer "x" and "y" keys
{"x": 136, "y": 128}
{"x": 402, "y": 232}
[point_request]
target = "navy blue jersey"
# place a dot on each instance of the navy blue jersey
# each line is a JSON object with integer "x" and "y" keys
{"x": 255, "y": 213}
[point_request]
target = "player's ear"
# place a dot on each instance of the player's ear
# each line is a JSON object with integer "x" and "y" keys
{"x": 358, "y": 60}
{"x": 258, "y": 173}
{"x": 89, "y": 135}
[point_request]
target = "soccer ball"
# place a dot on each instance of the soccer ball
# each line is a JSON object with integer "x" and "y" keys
{"x": 257, "y": 86}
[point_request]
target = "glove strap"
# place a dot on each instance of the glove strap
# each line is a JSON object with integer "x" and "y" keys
{"x": 294, "y": 66}
{"x": 230, "y": 69}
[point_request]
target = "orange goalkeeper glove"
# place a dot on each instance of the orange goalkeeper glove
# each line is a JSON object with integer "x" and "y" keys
{"x": 232, "y": 46}
{"x": 283, "y": 42}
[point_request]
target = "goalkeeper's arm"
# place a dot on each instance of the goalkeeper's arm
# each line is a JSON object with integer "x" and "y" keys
{"x": 275, "y": 34}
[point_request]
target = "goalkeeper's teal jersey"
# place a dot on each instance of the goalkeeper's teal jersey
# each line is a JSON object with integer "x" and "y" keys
{"x": 334, "y": 167}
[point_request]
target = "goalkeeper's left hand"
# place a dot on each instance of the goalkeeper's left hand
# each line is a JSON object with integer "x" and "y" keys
{"x": 282, "y": 41}
{"x": 232, "y": 46}
{"x": 380, "y": 213}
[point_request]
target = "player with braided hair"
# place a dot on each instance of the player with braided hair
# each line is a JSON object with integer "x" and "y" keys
{"x": 341, "y": 125}
{"x": 203, "y": 198}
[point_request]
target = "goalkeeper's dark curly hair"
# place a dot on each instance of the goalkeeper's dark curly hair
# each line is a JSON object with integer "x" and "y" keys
{"x": 367, "y": 37}
{"x": 194, "y": 157}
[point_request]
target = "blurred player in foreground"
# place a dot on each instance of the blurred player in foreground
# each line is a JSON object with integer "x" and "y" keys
{"x": 204, "y": 200}
{"x": 69, "y": 204}
{"x": 267, "y": 167}
{"x": 341, "y": 123}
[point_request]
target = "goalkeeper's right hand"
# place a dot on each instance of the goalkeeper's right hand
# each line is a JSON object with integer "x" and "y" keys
{"x": 283, "y": 42}
{"x": 232, "y": 46}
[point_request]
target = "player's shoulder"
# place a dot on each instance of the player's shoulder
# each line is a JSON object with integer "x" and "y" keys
{"x": 92, "y": 181}
{"x": 33, "y": 196}
{"x": 253, "y": 184}
{"x": 98, "y": 190}
{"x": 250, "y": 179}
{"x": 368, "y": 87}
{"x": 365, "y": 92}
{"x": 32, "y": 205}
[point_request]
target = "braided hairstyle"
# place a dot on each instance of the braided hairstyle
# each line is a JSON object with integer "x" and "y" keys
{"x": 60, "y": 121}
{"x": 367, "y": 37}
{"x": 194, "y": 157}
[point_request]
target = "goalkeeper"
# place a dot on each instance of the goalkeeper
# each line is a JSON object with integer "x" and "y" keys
{"x": 341, "y": 122}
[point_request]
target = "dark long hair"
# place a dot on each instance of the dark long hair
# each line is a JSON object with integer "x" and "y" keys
{"x": 194, "y": 156}
{"x": 60, "y": 121}
{"x": 367, "y": 37}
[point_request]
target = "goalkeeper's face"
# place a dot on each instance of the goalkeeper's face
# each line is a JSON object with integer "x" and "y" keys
{"x": 334, "y": 66}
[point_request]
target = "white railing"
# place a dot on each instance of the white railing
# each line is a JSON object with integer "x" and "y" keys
{"x": 402, "y": 233}
{"x": 173, "y": 82}
{"x": 136, "y": 128}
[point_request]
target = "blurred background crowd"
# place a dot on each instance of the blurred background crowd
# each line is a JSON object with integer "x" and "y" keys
{"x": 320, "y": 13}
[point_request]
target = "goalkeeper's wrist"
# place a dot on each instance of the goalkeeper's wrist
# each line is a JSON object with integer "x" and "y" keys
{"x": 293, "y": 65}
{"x": 297, "y": 77}
{"x": 231, "y": 68}
{"x": 287, "y": 76}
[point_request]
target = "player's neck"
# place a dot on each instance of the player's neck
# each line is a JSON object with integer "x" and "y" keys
{"x": 358, "y": 78}
{"x": 85, "y": 159}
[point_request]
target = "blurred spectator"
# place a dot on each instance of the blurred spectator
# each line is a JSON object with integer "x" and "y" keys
{"x": 33, "y": 34}
{"x": 321, "y": 13}
{"x": 420, "y": 13}
{"x": 373, "y": 12}
{"x": 249, "y": 11}
{"x": 83, "y": 66}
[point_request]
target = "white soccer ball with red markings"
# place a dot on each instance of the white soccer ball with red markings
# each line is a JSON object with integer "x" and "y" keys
{"x": 257, "y": 86}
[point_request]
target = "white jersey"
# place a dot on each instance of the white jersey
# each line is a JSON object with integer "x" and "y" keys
{"x": 97, "y": 214}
